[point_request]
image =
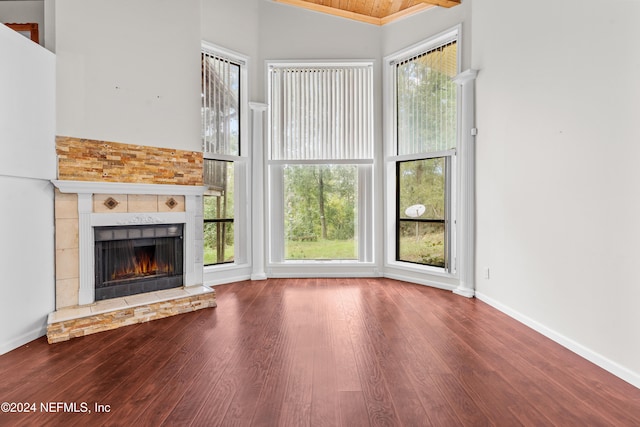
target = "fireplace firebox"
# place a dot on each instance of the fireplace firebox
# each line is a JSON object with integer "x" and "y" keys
{"x": 135, "y": 259}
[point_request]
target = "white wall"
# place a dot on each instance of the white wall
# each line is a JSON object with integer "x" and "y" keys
{"x": 558, "y": 97}
{"x": 129, "y": 71}
{"x": 27, "y": 123}
{"x": 235, "y": 25}
{"x": 23, "y": 12}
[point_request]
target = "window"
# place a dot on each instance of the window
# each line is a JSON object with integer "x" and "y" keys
{"x": 422, "y": 235}
{"x": 225, "y": 170}
{"x": 320, "y": 212}
{"x": 218, "y": 212}
{"x": 423, "y": 153}
{"x": 220, "y": 104}
{"x": 320, "y": 162}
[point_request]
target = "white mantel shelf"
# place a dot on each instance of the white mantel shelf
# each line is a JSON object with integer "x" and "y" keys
{"x": 92, "y": 187}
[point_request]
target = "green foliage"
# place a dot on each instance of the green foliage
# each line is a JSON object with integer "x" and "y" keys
{"x": 317, "y": 192}
{"x": 423, "y": 245}
{"x": 321, "y": 249}
{"x": 423, "y": 182}
{"x": 218, "y": 242}
{"x": 218, "y": 204}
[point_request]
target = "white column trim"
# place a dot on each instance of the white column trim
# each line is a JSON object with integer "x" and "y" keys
{"x": 466, "y": 177}
{"x": 258, "y": 188}
{"x": 194, "y": 241}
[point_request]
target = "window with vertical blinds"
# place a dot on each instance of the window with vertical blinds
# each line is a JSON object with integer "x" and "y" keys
{"x": 220, "y": 104}
{"x": 320, "y": 162}
{"x": 224, "y": 80}
{"x": 321, "y": 112}
{"x": 422, "y": 144}
{"x": 427, "y": 101}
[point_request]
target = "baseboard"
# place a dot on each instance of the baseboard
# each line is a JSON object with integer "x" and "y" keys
{"x": 614, "y": 368}
{"x": 23, "y": 339}
{"x": 418, "y": 281}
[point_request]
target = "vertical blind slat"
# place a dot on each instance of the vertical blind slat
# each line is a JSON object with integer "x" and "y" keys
{"x": 220, "y": 105}
{"x": 426, "y": 101}
{"x": 322, "y": 113}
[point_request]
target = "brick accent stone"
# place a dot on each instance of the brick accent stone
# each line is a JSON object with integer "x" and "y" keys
{"x": 67, "y": 329}
{"x": 101, "y": 161}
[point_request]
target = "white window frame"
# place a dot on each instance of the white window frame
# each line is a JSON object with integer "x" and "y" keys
{"x": 277, "y": 266}
{"x": 239, "y": 269}
{"x": 435, "y": 276}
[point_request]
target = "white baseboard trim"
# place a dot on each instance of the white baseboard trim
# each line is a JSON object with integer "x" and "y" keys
{"x": 418, "y": 281}
{"x": 285, "y": 275}
{"x": 22, "y": 339}
{"x": 614, "y": 368}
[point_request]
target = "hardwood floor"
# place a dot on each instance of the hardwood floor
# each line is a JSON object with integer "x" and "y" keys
{"x": 319, "y": 352}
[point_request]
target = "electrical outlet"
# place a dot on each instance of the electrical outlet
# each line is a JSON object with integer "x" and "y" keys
{"x": 486, "y": 273}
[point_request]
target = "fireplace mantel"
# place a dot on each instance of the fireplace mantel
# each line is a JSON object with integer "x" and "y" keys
{"x": 92, "y": 187}
{"x": 88, "y": 218}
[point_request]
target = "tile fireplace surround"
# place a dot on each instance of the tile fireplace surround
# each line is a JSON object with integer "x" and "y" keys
{"x": 112, "y": 184}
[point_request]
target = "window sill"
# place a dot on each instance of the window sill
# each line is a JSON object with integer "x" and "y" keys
{"x": 423, "y": 269}
{"x": 225, "y": 267}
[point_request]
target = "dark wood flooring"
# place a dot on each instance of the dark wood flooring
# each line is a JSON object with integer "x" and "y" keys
{"x": 318, "y": 352}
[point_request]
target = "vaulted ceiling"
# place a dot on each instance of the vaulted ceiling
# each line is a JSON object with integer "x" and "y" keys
{"x": 378, "y": 12}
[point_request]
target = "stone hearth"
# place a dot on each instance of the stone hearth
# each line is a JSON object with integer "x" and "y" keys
{"x": 110, "y": 314}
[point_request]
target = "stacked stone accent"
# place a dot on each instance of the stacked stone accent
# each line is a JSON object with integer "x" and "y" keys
{"x": 78, "y": 327}
{"x": 102, "y": 161}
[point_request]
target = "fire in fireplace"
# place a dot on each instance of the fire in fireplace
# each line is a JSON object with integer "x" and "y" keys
{"x": 135, "y": 259}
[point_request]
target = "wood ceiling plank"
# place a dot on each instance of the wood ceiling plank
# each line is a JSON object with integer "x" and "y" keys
{"x": 380, "y": 8}
{"x": 377, "y": 12}
{"x": 363, "y": 7}
{"x": 396, "y": 6}
{"x": 442, "y": 3}
{"x": 405, "y": 12}
{"x": 332, "y": 11}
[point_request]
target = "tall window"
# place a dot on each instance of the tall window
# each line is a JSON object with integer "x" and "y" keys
{"x": 220, "y": 104}
{"x": 424, "y": 153}
{"x": 320, "y": 161}
{"x": 218, "y": 212}
{"x": 222, "y": 118}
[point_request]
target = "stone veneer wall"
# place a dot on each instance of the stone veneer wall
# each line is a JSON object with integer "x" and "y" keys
{"x": 102, "y": 161}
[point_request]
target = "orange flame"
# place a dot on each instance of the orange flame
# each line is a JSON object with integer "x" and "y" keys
{"x": 141, "y": 265}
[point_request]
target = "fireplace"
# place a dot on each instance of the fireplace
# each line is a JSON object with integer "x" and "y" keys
{"x": 132, "y": 259}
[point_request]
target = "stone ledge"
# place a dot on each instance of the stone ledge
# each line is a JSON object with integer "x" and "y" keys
{"x": 80, "y": 321}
